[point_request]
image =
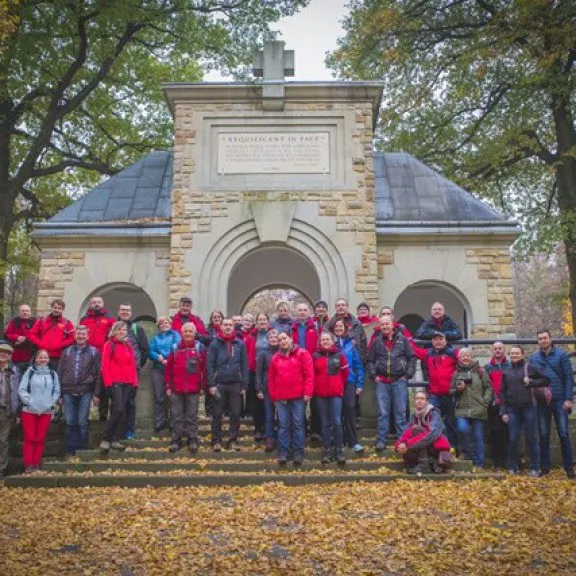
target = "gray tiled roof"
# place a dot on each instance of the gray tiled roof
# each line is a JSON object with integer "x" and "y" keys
{"x": 406, "y": 191}
{"x": 409, "y": 191}
{"x": 140, "y": 191}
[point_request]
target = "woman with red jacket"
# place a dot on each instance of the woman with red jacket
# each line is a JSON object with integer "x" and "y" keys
{"x": 185, "y": 377}
{"x": 119, "y": 375}
{"x": 290, "y": 386}
{"x": 330, "y": 376}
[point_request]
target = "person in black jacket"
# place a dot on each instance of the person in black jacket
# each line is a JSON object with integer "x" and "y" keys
{"x": 439, "y": 322}
{"x": 263, "y": 358}
{"x": 227, "y": 365}
{"x": 518, "y": 408}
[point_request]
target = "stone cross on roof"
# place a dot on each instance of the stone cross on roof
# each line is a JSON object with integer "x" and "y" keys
{"x": 273, "y": 63}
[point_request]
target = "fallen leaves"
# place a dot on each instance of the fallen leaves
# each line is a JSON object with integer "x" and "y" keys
{"x": 513, "y": 526}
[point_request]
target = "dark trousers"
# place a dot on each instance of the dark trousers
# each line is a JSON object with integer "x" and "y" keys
{"x": 259, "y": 417}
{"x": 131, "y": 411}
{"x": 184, "y": 417}
{"x": 118, "y": 394}
{"x": 5, "y": 425}
{"x": 349, "y": 414}
{"x": 498, "y": 437}
{"x": 248, "y": 409}
{"x": 159, "y": 398}
{"x": 104, "y": 407}
{"x": 230, "y": 396}
{"x": 315, "y": 423}
{"x": 208, "y": 404}
{"x": 446, "y": 406}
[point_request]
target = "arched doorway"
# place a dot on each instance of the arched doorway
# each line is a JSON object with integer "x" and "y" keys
{"x": 265, "y": 300}
{"x": 271, "y": 266}
{"x": 414, "y": 303}
{"x": 143, "y": 308}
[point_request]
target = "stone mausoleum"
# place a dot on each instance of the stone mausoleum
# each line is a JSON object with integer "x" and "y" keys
{"x": 276, "y": 183}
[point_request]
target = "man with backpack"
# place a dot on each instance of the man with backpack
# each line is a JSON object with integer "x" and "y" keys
{"x": 137, "y": 337}
{"x": 79, "y": 373}
{"x": 17, "y": 333}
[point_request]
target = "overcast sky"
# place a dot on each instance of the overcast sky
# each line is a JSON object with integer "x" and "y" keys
{"x": 310, "y": 33}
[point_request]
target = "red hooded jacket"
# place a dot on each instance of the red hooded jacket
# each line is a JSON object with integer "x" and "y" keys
{"x": 99, "y": 324}
{"x": 179, "y": 320}
{"x": 441, "y": 365}
{"x": 330, "y": 373}
{"x": 365, "y": 320}
{"x": 18, "y": 327}
{"x": 185, "y": 372}
{"x": 118, "y": 363}
{"x": 52, "y": 334}
{"x": 495, "y": 369}
{"x": 312, "y": 335}
{"x": 291, "y": 376}
{"x": 249, "y": 339}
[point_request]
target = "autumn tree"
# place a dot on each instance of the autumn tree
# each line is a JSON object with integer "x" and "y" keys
{"x": 80, "y": 92}
{"x": 483, "y": 90}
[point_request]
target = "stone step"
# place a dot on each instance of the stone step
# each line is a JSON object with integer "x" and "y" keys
{"x": 207, "y": 454}
{"x": 288, "y": 478}
{"x": 223, "y": 465}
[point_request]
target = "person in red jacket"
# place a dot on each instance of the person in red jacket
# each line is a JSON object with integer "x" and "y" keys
{"x": 249, "y": 334}
{"x": 98, "y": 322}
{"x": 441, "y": 361}
{"x": 17, "y": 333}
{"x": 387, "y": 311}
{"x": 331, "y": 373}
{"x": 290, "y": 386}
{"x": 185, "y": 376}
{"x": 53, "y": 333}
{"x": 364, "y": 316}
{"x": 119, "y": 375}
{"x": 423, "y": 446}
{"x": 184, "y": 315}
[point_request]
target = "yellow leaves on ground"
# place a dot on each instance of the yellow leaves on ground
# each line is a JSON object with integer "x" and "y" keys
{"x": 515, "y": 526}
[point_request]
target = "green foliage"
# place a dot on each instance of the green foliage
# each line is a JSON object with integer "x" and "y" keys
{"x": 483, "y": 91}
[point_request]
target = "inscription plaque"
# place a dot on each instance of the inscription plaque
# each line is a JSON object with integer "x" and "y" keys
{"x": 274, "y": 153}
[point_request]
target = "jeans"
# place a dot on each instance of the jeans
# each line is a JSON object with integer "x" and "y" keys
{"x": 291, "y": 427}
{"x": 331, "y": 417}
{"x": 159, "y": 398}
{"x": 391, "y": 396}
{"x": 545, "y": 414}
{"x": 349, "y": 414}
{"x": 231, "y": 397}
{"x": 446, "y": 406}
{"x": 118, "y": 394}
{"x": 528, "y": 417}
{"x": 76, "y": 413}
{"x": 270, "y": 417}
{"x": 35, "y": 429}
{"x": 131, "y": 411}
{"x": 184, "y": 417}
{"x": 471, "y": 435}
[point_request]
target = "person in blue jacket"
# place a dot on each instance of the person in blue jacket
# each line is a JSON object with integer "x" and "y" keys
{"x": 347, "y": 344}
{"x": 163, "y": 342}
{"x": 556, "y": 365}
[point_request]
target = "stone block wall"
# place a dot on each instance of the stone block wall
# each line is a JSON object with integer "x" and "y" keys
{"x": 194, "y": 210}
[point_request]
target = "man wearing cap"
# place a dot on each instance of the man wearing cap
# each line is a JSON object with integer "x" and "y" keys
{"x": 440, "y": 362}
{"x": 9, "y": 381}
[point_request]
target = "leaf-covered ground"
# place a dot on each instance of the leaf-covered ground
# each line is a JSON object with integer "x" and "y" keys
{"x": 514, "y": 526}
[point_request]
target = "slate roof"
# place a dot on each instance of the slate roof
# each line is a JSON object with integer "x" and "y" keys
{"x": 407, "y": 191}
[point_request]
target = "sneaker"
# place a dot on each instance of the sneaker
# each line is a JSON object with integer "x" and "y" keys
{"x": 234, "y": 446}
{"x": 270, "y": 445}
{"x": 104, "y": 446}
{"x": 117, "y": 446}
{"x": 533, "y": 473}
{"x": 129, "y": 436}
{"x": 174, "y": 447}
{"x": 192, "y": 447}
{"x": 217, "y": 447}
{"x": 380, "y": 446}
{"x": 358, "y": 448}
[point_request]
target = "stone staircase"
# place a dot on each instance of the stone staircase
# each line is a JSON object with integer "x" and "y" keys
{"x": 147, "y": 462}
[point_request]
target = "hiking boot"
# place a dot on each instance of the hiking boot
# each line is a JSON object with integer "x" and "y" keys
{"x": 298, "y": 461}
{"x": 259, "y": 437}
{"x": 544, "y": 472}
{"x": 570, "y": 474}
{"x": 174, "y": 447}
{"x": 104, "y": 447}
{"x": 533, "y": 473}
{"x": 234, "y": 446}
{"x": 217, "y": 447}
{"x": 326, "y": 459}
{"x": 380, "y": 446}
{"x": 418, "y": 469}
{"x": 117, "y": 446}
{"x": 512, "y": 472}
{"x": 192, "y": 446}
{"x": 282, "y": 461}
{"x": 270, "y": 445}
{"x": 340, "y": 459}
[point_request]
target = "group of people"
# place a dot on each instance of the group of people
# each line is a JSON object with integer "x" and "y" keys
{"x": 271, "y": 369}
